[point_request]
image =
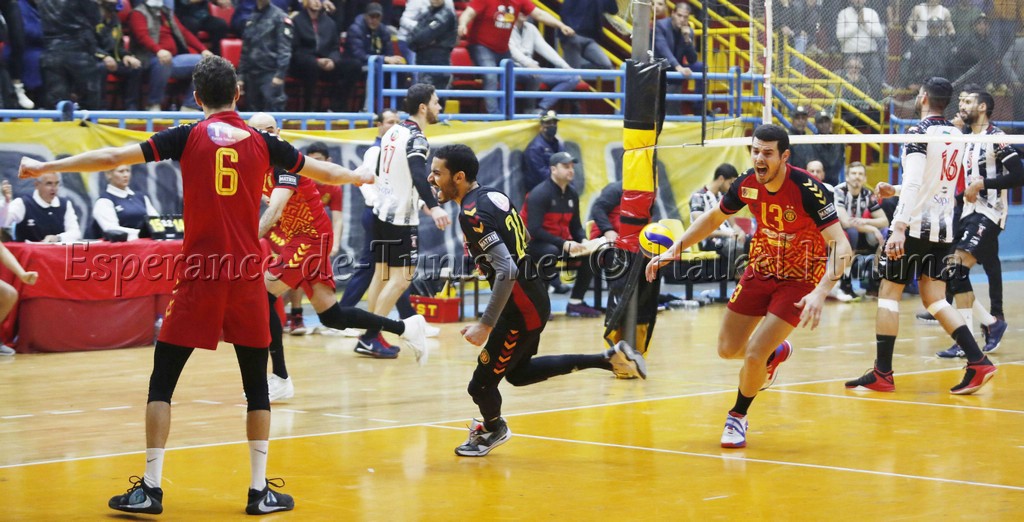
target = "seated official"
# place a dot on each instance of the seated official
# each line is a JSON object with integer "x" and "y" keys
{"x": 119, "y": 209}
{"x": 41, "y": 218}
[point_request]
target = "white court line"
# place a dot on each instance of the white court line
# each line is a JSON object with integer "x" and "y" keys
{"x": 65, "y": 412}
{"x": 25, "y": 416}
{"x": 915, "y": 403}
{"x": 461, "y": 419}
{"x": 338, "y": 415}
{"x": 761, "y": 461}
{"x": 202, "y": 401}
{"x": 383, "y": 420}
{"x": 290, "y": 410}
{"x": 112, "y": 408}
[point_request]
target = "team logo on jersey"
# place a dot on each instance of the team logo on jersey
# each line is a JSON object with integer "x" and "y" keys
{"x": 789, "y": 215}
{"x": 489, "y": 240}
{"x": 748, "y": 193}
{"x": 224, "y": 135}
{"x": 288, "y": 178}
{"x": 485, "y": 358}
{"x": 499, "y": 200}
{"x": 824, "y": 213}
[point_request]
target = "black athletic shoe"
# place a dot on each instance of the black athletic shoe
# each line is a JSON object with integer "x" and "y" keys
{"x": 268, "y": 500}
{"x": 140, "y": 498}
{"x": 481, "y": 441}
{"x": 926, "y": 317}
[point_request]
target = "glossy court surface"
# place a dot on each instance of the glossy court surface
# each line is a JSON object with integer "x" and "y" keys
{"x": 371, "y": 439}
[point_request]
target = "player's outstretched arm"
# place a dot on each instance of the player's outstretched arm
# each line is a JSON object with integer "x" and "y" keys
{"x": 278, "y": 199}
{"x": 332, "y": 174}
{"x": 707, "y": 223}
{"x": 92, "y": 161}
{"x": 840, "y": 257}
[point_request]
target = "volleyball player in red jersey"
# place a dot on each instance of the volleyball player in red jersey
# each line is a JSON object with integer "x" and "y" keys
{"x": 790, "y": 270}
{"x": 220, "y": 286}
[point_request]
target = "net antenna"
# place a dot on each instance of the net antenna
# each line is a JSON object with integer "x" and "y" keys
{"x": 766, "y": 112}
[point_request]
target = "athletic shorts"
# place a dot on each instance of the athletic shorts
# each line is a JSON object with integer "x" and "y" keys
{"x": 200, "y": 310}
{"x": 920, "y": 257}
{"x": 979, "y": 235}
{"x": 395, "y": 245}
{"x": 757, "y": 294}
{"x": 303, "y": 262}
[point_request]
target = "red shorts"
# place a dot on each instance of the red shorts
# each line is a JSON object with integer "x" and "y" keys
{"x": 303, "y": 262}
{"x": 200, "y": 310}
{"x": 758, "y": 294}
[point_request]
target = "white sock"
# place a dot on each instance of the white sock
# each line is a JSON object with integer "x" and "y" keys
{"x": 258, "y": 463}
{"x": 575, "y": 301}
{"x": 986, "y": 318}
{"x": 968, "y": 315}
{"x": 154, "y": 467}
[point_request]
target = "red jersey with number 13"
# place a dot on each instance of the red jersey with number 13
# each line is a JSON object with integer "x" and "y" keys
{"x": 788, "y": 243}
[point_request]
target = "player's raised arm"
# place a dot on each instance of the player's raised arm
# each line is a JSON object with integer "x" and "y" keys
{"x": 92, "y": 161}
{"x": 278, "y": 199}
{"x": 332, "y": 174}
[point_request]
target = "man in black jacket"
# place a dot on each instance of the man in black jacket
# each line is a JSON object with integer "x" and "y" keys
{"x": 316, "y": 55}
{"x": 556, "y": 233}
{"x": 433, "y": 40}
{"x": 69, "y": 63}
{"x": 266, "y": 53}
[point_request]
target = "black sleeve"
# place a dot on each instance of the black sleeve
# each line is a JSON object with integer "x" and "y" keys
{"x": 818, "y": 202}
{"x": 602, "y": 207}
{"x": 576, "y": 224}
{"x": 285, "y": 179}
{"x": 538, "y": 204}
{"x": 167, "y": 144}
{"x": 1011, "y": 160}
{"x": 282, "y": 154}
{"x": 418, "y": 171}
{"x": 731, "y": 202}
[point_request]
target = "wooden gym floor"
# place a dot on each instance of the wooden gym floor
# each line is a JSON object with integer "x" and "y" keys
{"x": 371, "y": 439}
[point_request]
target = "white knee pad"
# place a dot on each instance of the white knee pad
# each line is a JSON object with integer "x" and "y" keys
{"x": 891, "y": 305}
{"x": 937, "y": 307}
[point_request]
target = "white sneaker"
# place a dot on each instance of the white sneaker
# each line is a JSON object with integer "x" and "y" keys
{"x": 839, "y": 295}
{"x": 416, "y": 337}
{"x": 735, "y": 434}
{"x": 352, "y": 332}
{"x": 6, "y": 350}
{"x": 626, "y": 362}
{"x": 280, "y": 389}
{"x": 23, "y": 100}
{"x": 432, "y": 331}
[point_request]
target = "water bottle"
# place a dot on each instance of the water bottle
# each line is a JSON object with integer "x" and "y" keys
{"x": 691, "y": 304}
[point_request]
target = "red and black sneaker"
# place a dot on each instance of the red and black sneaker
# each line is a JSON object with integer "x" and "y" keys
{"x": 782, "y": 354}
{"x": 975, "y": 376}
{"x": 873, "y": 380}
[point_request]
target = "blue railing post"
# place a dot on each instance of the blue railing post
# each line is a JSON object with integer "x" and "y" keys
{"x": 509, "y": 87}
{"x": 373, "y": 84}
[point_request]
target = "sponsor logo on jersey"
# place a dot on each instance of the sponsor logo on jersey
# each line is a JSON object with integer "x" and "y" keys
{"x": 224, "y": 135}
{"x": 489, "y": 240}
{"x": 499, "y": 200}
{"x": 748, "y": 193}
{"x": 827, "y": 211}
{"x": 288, "y": 178}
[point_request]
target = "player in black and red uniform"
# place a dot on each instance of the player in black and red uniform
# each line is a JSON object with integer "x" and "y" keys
{"x": 220, "y": 286}
{"x": 790, "y": 270}
{"x": 519, "y": 307}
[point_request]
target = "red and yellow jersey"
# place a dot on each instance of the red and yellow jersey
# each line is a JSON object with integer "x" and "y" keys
{"x": 788, "y": 243}
{"x": 330, "y": 196}
{"x": 304, "y": 213}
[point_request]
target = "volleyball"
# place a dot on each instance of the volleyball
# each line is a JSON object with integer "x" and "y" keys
{"x": 655, "y": 239}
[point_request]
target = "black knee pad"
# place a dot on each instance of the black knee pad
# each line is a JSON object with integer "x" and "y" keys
{"x": 960, "y": 279}
{"x": 168, "y": 361}
{"x": 252, "y": 362}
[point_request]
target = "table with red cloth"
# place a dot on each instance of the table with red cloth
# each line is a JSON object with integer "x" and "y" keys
{"x": 90, "y": 296}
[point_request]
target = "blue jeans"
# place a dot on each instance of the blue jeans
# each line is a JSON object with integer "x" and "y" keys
{"x": 181, "y": 67}
{"x": 554, "y": 82}
{"x": 484, "y": 57}
{"x": 582, "y": 52}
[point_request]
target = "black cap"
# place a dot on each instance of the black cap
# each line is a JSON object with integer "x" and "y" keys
{"x": 547, "y": 116}
{"x": 799, "y": 111}
{"x": 561, "y": 157}
{"x": 374, "y": 8}
{"x": 822, "y": 116}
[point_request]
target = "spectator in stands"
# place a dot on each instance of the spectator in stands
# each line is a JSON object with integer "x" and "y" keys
{"x": 729, "y": 240}
{"x": 799, "y": 21}
{"x": 1013, "y": 71}
{"x": 432, "y": 38}
{"x": 1006, "y": 21}
{"x": 832, "y": 155}
{"x": 119, "y": 208}
{"x": 12, "y": 39}
{"x": 195, "y": 15}
{"x": 69, "y": 63}
{"x": 166, "y": 49}
{"x": 488, "y": 35}
{"x": 586, "y": 17}
{"x": 8, "y": 295}
{"x": 368, "y": 36}
{"x": 41, "y": 218}
{"x": 266, "y": 54}
{"x": 349, "y": 10}
{"x": 536, "y": 157}
{"x": 978, "y": 49}
{"x": 861, "y": 215}
{"x": 800, "y": 154}
{"x": 115, "y": 58}
{"x": 929, "y": 18}
{"x": 853, "y": 73}
{"x": 859, "y": 30}
{"x": 527, "y": 40}
{"x": 556, "y": 232}
{"x": 27, "y": 66}
{"x": 316, "y": 56}
{"x": 660, "y": 10}
{"x": 674, "y": 40}
{"x": 963, "y": 14}
{"x": 931, "y": 31}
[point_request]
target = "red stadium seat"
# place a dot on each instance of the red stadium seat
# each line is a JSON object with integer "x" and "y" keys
{"x": 460, "y": 58}
{"x": 231, "y": 50}
{"x": 224, "y": 13}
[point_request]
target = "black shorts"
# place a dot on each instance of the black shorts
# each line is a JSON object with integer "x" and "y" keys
{"x": 395, "y": 245}
{"x": 979, "y": 235}
{"x": 920, "y": 257}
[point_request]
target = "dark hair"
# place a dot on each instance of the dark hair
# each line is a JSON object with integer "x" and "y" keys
{"x": 459, "y": 157}
{"x": 725, "y": 170}
{"x": 215, "y": 81}
{"x": 379, "y": 117}
{"x": 772, "y": 132}
{"x": 418, "y": 94}
{"x": 939, "y": 91}
{"x": 986, "y": 98}
{"x": 317, "y": 147}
